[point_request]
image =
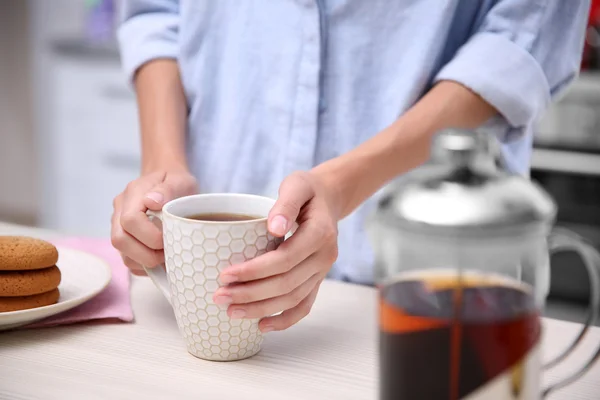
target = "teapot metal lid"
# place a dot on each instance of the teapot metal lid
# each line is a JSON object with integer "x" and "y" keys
{"x": 463, "y": 191}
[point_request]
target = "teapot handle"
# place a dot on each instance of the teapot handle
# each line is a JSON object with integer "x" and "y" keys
{"x": 560, "y": 240}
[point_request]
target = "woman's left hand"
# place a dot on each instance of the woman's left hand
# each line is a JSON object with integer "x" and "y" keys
{"x": 288, "y": 278}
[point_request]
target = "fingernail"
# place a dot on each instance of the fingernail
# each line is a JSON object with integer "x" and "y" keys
{"x": 228, "y": 278}
{"x": 237, "y": 314}
{"x": 279, "y": 225}
{"x": 267, "y": 329}
{"x": 223, "y": 300}
{"x": 156, "y": 197}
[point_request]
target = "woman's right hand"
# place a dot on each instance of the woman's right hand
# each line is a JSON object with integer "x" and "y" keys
{"x": 139, "y": 240}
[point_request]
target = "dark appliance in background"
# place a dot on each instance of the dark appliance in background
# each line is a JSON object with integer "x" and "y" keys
{"x": 566, "y": 162}
{"x": 578, "y": 198}
{"x": 572, "y": 177}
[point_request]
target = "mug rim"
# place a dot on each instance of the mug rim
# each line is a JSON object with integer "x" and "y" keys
{"x": 173, "y": 202}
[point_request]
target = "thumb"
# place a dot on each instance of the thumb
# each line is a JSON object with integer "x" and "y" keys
{"x": 158, "y": 196}
{"x": 295, "y": 191}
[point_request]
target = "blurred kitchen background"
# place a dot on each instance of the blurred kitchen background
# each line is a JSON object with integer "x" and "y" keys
{"x": 68, "y": 123}
{"x": 69, "y": 139}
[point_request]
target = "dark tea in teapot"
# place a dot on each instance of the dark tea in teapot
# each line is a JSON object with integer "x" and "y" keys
{"x": 448, "y": 337}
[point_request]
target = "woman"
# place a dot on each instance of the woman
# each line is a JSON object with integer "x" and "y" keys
{"x": 321, "y": 103}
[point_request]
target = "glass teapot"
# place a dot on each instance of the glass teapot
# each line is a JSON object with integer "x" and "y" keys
{"x": 462, "y": 267}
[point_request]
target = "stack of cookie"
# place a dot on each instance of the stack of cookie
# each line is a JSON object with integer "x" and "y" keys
{"x": 29, "y": 277}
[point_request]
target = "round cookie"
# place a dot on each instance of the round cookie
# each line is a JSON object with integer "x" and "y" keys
{"x": 8, "y": 304}
{"x": 20, "y": 253}
{"x": 28, "y": 283}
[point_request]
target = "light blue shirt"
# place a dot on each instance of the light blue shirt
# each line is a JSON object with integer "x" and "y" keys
{"x": 275, "y": 86}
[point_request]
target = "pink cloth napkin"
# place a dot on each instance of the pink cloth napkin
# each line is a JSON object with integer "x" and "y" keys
{"x": 112, "y": 303}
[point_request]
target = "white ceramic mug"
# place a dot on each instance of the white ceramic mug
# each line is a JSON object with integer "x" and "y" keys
{"x": 195, "y": 253}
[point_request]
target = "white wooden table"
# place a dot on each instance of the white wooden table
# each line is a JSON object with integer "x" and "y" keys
{"x": 332, "y": 354}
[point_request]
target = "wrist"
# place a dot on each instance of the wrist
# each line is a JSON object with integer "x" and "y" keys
{"x": 355, "y": 176}
{"x": 334, "y": 177}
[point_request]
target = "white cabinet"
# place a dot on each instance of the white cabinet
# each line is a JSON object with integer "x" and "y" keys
{"x": 92, "y": 149}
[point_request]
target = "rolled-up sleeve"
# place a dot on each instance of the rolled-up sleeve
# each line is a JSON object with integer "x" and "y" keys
{"x": 148, "y": 30}
{"x": 522, "y": 55}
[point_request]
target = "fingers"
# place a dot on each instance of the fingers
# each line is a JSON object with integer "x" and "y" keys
{"x": 134, "y": 250}
{"x": 265, "y": 308}
{"x": 169, "y": 188}
{"x": 136, "y": 223}
{"x": 157, "y": 197}
{"x": 295, "y": 191}
{"x": 131, "y": 214}
{"x": 142, "y": 197}
{"x": 138, "y": 239}
{"x": 116, "y": 235}
{"x": 132, "y": 233}
{"x": 270, "y": 287}
{"x": 134, "y": 267}
{"x": 291, "y": 316}
{"x": 310, "y": 237}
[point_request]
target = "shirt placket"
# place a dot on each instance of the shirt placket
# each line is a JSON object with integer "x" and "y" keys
{"x": 304, "y": 127}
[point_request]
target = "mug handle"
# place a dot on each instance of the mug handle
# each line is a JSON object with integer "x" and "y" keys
{"x": 560, "y": 240}
{"x": 158, "y": 273}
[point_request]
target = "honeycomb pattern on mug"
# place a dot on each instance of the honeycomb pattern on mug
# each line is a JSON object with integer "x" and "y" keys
{"x": 195, "y": 255}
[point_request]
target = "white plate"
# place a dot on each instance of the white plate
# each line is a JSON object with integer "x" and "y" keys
{"x": 83, "y": 277}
